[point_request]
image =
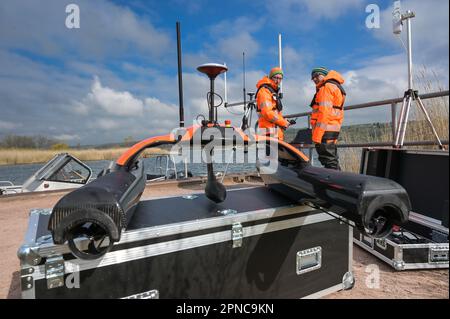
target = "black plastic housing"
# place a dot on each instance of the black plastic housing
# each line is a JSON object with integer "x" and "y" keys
{"x": 374, "y": 204}
{"x": 107, "y": 202}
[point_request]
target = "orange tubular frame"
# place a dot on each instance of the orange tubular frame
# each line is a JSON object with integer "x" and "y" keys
{"x": 137, "y": 148}
{"x": 288, "y": 146}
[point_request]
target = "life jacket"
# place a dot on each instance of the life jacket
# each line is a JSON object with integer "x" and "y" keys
{"x": 340, "y": 87}
{"x": 275, "y": 96}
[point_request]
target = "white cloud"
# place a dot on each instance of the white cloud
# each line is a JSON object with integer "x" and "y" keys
{"x": 106, "y": 30}
{"x": 155, "y": 105}
{"x": 232, "y": 47}
{"x": 124, "y": 113}
{"x": 193, "y": 60}
{"x": 4, "y": 125}
{"x": 228, "y": 40}
{"x": 67, "y": 137}
{"x": 111, "y": 101}
{"x": 391, "y": 70}
{"x": 140, "y": 71}
{"x": 105, "y": 124}
{"x": 238, "y": 25}
{"x": 430, "y": 34}
{"x": 96, "y": 112}
{"x": 196, "y": 86}
{"x": 162, "y": 117}
{"x": 80, "y": 108}
{"x": 191, "y": 7}
{"x": 305, "y": 14}
{"x": 145, "y": 103}
{"x": 329, "y": 9}
{"x": 296, "y": 64}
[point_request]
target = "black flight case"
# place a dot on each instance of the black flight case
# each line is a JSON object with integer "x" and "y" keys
{"x": 256, "y": 244}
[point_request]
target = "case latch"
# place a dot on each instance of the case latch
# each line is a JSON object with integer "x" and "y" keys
{"x": 237, "y": 233}
{"x": 54, "y": 272}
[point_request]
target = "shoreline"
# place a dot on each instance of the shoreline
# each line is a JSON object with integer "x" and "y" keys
{"x": 35, "y": 156}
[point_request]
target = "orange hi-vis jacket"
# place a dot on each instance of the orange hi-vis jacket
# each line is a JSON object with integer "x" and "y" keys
{"x": 270, "y": 117}
{"x": 328, "y": 113}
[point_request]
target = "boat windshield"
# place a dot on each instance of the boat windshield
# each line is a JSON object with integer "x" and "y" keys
{"x": 71, "y": 172}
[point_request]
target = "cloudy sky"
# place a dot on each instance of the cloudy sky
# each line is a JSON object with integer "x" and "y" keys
{"x": 115, "y": 76}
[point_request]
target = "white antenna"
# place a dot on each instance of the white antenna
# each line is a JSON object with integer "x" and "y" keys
{"x": 280, "y": 64}
{"x": 225, "y": 84}
{"x": 397, "y": 18}
{"x": 397, "y": 24}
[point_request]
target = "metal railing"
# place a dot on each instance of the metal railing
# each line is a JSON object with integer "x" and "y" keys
{"x": 393, "y": 103}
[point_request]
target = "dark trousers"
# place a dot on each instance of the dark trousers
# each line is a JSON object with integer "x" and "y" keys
{"x": 328, "y": 156}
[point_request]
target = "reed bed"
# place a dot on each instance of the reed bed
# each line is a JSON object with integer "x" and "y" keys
{"x": 32, "y": 156}
{"x": 418, "y": 128}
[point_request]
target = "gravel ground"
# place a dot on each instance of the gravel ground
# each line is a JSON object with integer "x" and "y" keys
{"x": 392, "y": 284}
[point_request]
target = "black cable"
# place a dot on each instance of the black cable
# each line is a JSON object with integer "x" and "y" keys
{"x": 338, "y": 217}
{"x": 208, "y": 99}
{"x": 200, "y": 115}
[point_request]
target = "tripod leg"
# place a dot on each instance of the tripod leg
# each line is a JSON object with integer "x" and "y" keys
{"x": 228, "y": 163}
{"x": 403, "y": 121}
{"x": 408, "y": 107}
{"x": 422, "y": 107}
{"x": 399, "y": 121}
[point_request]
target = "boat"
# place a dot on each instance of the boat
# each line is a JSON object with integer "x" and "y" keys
{"x": 64, "y": 171}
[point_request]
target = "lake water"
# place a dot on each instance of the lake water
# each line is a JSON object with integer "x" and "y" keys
{"x": 18, "y": 174}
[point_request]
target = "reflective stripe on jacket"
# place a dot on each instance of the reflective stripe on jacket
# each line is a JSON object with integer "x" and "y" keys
{"x": 327, "y": 108}
{"x": 266, "y": 103}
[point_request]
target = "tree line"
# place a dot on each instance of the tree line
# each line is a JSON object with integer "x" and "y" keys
{"x": 47, "y": 143}
{"x": 31, "y": 142}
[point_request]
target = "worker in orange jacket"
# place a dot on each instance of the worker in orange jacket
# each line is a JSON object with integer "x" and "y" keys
{"x": 327, "y": 114}
{"x": 269, "y": 104}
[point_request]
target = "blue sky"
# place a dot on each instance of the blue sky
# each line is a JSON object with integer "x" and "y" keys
{"x": 115, "y": 76}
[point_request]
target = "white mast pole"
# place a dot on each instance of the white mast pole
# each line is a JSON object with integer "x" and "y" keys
{"x": 225, "y": 84}
{"x": 280, "y": 63}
